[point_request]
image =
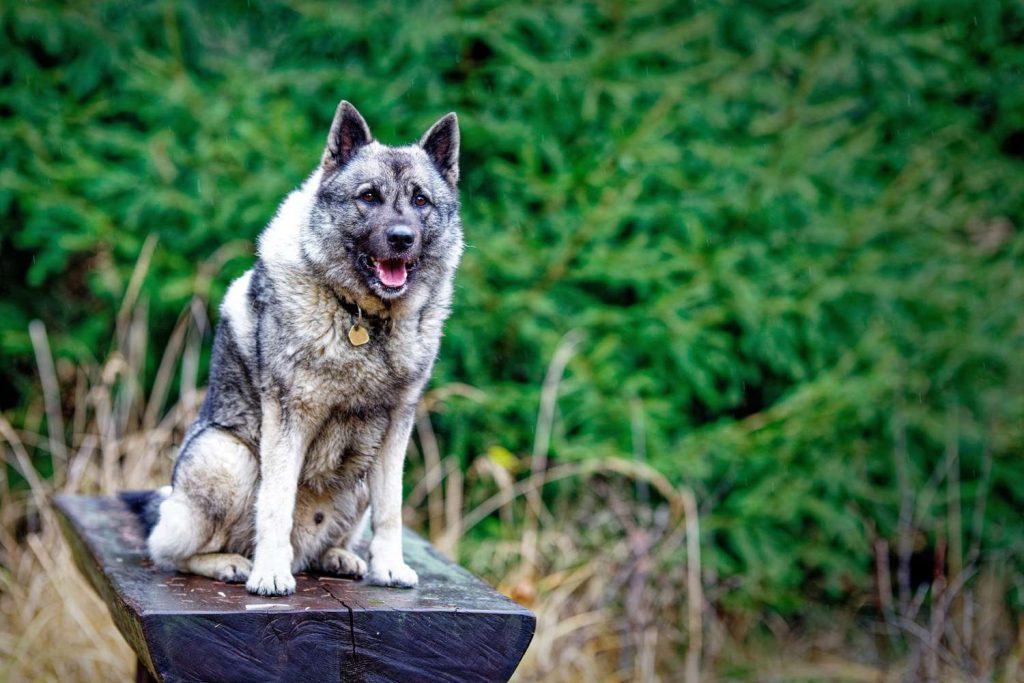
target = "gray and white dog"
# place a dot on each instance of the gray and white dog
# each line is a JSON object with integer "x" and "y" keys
{"x": 321, "y": 354}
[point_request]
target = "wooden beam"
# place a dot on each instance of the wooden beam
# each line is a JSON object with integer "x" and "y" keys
{"x": 184, "y": 627}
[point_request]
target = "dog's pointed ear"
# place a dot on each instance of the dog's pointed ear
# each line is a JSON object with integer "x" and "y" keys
{"x": 348, "y": 133}
{"x": 441, "y": 144}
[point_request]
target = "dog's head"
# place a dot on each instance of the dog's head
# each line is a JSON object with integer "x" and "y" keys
{"x": 385, "y": 220}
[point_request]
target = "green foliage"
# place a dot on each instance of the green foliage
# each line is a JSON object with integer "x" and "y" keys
{"x": 790, "y": 231}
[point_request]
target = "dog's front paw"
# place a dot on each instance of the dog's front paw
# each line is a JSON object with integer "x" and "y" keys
{"x": 396, "y": 574}
{"x": 270, "y": 582}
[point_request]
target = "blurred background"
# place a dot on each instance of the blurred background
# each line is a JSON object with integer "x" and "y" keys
{"x": 733, "y": 387}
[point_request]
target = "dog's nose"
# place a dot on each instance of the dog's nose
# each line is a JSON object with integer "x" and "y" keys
{"x": 400, "y": 237}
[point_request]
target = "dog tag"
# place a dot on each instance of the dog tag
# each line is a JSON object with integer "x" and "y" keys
{"x": 358, "y": 335}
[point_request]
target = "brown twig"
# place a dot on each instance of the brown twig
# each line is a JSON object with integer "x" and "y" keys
{"x": 542, "y": 439}
{"x": 694, "y": 589}
{"x": 51, "y": 394}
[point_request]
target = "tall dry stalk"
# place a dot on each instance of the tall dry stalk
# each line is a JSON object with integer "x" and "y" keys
{"x": 542, "y": 440}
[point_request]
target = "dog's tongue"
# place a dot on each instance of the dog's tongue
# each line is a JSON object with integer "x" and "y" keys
{"x": 392, "y": 272}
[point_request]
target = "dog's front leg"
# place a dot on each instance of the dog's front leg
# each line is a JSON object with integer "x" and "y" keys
{"x": 387, "y": 566}
{"x": 281, "y": 450}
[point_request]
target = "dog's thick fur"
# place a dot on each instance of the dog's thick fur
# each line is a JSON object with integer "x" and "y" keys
{"x": 301, "y": 428}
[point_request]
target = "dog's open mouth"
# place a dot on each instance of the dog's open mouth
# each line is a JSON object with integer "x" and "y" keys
{"x": 392, "y": 273}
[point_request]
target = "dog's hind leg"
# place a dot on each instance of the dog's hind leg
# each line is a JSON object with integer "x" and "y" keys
{"x": 212, "y": 493}
{"x": 180, "y": 532}
{"x": 227, "y": 567}
{"x": 350, "y": 511}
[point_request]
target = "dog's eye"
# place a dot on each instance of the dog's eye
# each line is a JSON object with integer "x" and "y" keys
{"x": 419, "y": 200}
{"x": 370, "y": 197}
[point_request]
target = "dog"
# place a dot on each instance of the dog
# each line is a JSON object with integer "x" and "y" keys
{"x": 321, "y": 354}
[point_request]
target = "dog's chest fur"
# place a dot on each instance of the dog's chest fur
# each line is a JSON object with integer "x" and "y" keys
{"x": 344, "y": 394}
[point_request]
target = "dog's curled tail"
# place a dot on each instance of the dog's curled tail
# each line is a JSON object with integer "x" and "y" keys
{"x": 146, "y": 504}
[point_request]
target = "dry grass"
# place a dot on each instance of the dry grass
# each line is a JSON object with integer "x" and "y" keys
{"x": 99, "y": 431}
{"x": 612, "y": 572}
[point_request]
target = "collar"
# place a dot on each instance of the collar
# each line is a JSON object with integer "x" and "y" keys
{"x": 381, "y": 320}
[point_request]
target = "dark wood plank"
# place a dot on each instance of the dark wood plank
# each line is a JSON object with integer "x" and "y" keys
{"x": 453, "y": 627}
{"x": 142, "y": 674}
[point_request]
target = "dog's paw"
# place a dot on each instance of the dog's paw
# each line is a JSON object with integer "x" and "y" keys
{"x": 235, "y": 571}
{"x": 279, "y": 582}
{"x": 226, "y": 567}
{"x": 394, "y": 574}
{"x": 342, "y": 562}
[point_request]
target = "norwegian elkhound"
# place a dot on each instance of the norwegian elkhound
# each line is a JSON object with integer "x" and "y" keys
{"x": 321, "y": 354}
